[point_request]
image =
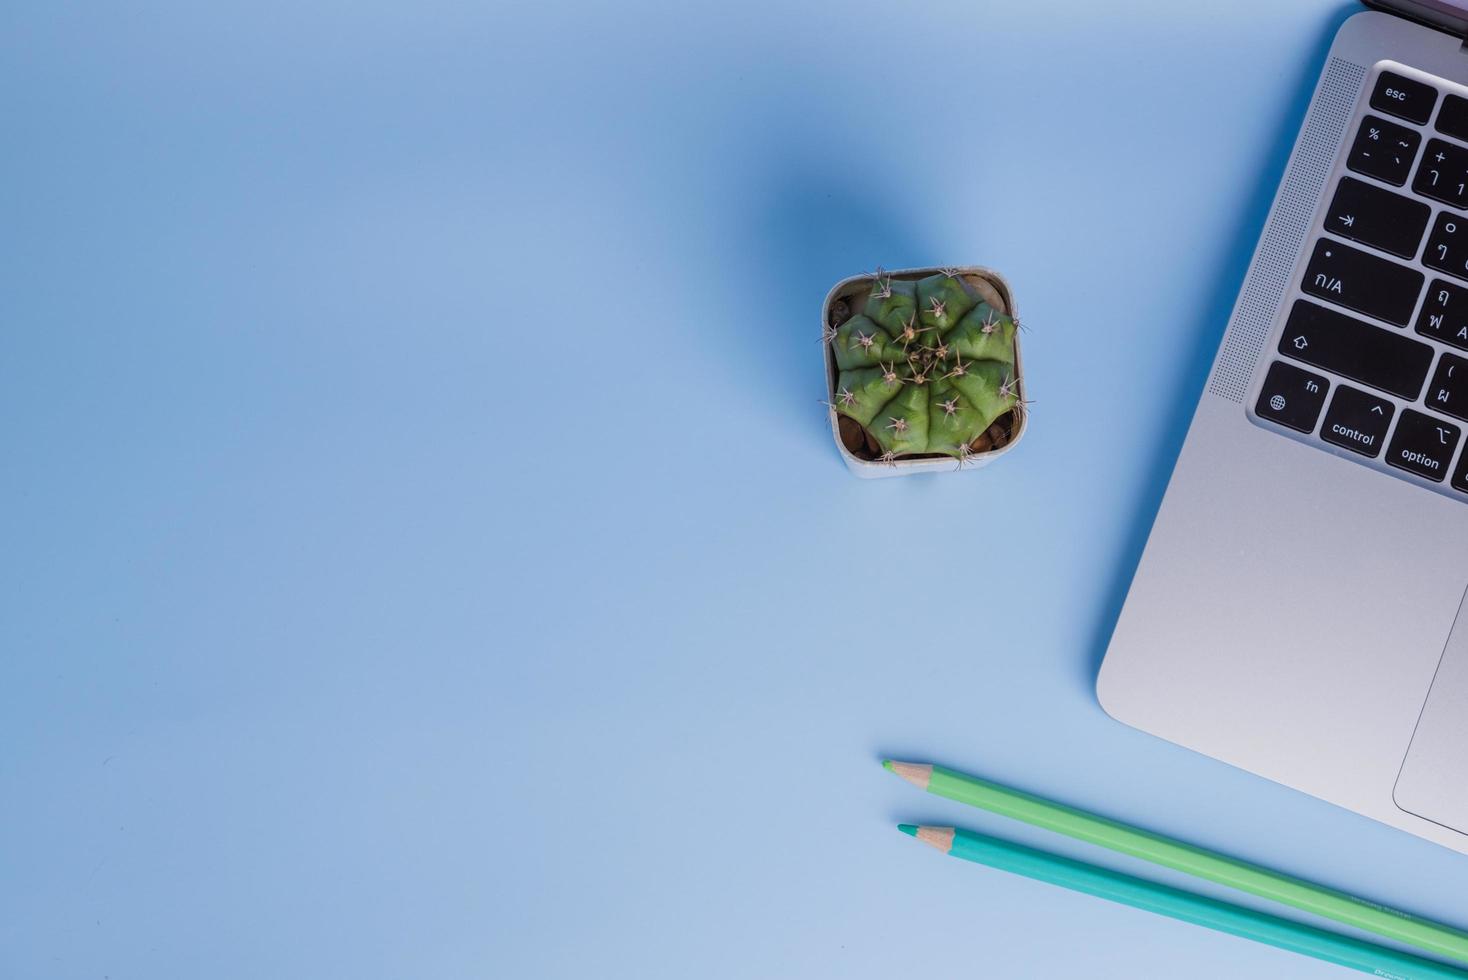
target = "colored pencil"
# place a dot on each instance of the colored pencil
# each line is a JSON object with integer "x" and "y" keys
{"x": 1178, "y": 904}
{"x": 1410, "y": 930}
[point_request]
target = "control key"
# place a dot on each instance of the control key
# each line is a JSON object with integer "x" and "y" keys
{"x": 1357, "y": 421}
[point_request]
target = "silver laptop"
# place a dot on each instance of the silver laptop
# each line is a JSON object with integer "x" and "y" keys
{"x": 1299, "y": 610}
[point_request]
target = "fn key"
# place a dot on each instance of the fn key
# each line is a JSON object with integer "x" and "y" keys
{"x": 1291, "y": 396}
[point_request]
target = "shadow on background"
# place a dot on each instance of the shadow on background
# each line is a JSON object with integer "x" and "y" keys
{"x": 1213, "y": 317}
{"x": 811, "y": 227}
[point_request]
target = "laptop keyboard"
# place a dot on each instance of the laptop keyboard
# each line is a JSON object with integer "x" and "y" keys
{"x": 1368, "y": 361}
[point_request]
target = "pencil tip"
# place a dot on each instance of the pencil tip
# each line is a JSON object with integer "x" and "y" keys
{"x": 910, "y": 829}
{"x": 917, "y": 774}
{"x": 939, "y": 837}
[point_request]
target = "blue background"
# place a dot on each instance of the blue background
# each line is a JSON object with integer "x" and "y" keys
{"x": 425, "y": 555}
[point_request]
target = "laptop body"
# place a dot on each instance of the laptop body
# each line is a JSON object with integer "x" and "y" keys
{"x": 1299, "y": 610}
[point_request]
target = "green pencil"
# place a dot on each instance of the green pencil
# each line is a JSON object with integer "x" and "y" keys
{"x": 1178, "y": 904}
{"x": 1431, "y": 937}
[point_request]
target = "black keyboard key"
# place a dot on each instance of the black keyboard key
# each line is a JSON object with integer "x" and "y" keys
{"x": 1447, "y": 246}
{"x": 1360, "y": 281}
{"x": 1444, "y": 314}
{"x": 1346, "y": 346}
{"x": 1291, "y": 396}
{"x": 1423, "y": 445}
{"x": 1357, "y": 420}
{"x": 1448, "y": 392}
{"x": 1403, "y": 97}
{"x": 1453, "y": 120}
{"x": 1383, "y": 150}
{"x": 1460, "y": 473}
{"x": 1443, "y": 173}
{"x": 1368, "y": 214}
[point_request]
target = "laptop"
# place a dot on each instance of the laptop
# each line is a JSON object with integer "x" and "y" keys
{"x": 1299, "y": 610}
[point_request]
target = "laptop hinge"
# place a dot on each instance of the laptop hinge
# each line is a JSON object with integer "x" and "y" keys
{"x": 1438, "y": 14}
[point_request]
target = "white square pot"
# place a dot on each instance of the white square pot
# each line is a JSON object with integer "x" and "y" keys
{"x": 870, "y": 468}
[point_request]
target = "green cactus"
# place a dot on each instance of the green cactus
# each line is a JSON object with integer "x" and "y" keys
{"x": 926, "y": 366}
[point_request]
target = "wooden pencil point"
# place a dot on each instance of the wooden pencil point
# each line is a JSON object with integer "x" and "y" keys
{"x": 939, "y": 837}
{"x": 919, "y": 774}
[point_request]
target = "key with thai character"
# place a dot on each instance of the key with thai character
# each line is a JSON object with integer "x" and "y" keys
{"x": 1447, "y": 246}
{"x": 1384, "y": 150}
{"x": 1444, "y": 314}
{"x": 1443, "y": 173}
{"x": 1363, "y": 282}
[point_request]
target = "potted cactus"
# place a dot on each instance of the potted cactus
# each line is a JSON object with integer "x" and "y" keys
{"x": 923, "y": 370}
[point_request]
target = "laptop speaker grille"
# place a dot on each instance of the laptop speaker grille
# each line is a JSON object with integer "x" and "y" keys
{"x": 1289, "y": 220}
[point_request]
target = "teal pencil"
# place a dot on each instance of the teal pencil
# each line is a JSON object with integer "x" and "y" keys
{"x": 1432, "y": 938}
{"x": 1178, "y": 904}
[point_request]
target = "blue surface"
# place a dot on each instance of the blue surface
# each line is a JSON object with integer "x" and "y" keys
{"x": 426, "y": 556}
